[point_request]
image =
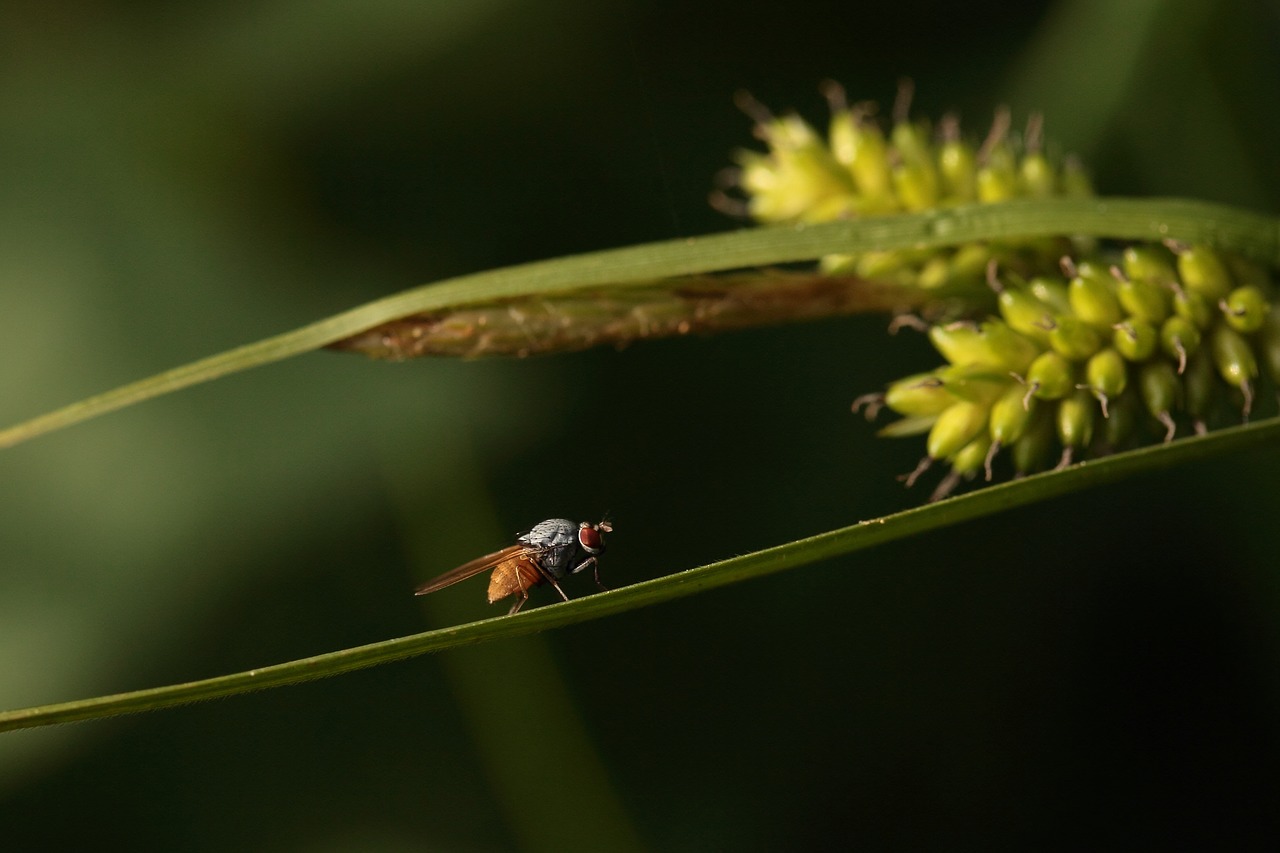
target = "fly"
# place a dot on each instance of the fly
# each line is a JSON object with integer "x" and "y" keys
{"x": 548, "y": 553}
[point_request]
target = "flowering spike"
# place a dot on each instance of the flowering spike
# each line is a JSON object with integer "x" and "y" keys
{"x": 1144, "y": 335}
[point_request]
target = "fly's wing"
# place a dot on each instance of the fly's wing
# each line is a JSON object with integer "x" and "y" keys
{"x": 475, "y": 567}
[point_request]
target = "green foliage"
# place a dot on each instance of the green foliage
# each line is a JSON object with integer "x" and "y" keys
{"x": 1247, "y": 233}
{"x": 176, "y": 184}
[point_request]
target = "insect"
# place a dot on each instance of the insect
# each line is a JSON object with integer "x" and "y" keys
{"x": 546, "y": 554}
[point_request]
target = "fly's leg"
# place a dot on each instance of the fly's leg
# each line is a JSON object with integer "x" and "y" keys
{"x": 557, "y": 586}
{"x": 546, "y": 574}
{"x": 524, "y": 595}
{"x": 595, "y": 565}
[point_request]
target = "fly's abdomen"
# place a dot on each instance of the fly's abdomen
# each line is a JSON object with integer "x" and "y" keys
{"x": 513, "y": 576}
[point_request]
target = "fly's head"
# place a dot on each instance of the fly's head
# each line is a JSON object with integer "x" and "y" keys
{"x": 591, "y": 536}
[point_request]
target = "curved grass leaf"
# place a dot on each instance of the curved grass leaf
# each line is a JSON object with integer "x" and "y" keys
{"x": 847, "y": 540}
{"x": 1199, "y": 222}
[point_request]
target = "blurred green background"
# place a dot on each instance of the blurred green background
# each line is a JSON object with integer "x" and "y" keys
{"x": 179, "y": 179}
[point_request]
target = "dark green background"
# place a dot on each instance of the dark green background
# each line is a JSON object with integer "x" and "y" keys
{"x": 178, "y": 179}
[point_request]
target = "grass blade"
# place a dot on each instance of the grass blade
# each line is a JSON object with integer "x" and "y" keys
{"x": 987, "y": 501}
{"x": 1197, "y": 222}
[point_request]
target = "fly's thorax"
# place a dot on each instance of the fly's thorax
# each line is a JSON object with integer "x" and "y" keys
{"x": 557, "y": 561}
{"x": 555, "y": 542}
{"x": 552, "y": 532}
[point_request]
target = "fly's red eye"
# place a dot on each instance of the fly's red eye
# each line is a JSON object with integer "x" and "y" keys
{"x": 589, "y": 538}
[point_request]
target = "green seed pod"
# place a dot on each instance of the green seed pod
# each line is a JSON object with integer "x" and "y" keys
{"x": 976, "y": 383}
{"x": 1075, "y": 179}
{"x": 916, "y": 185}
{"x": 759, "y": 178}
{"x": 1010, "y": 350}
{"x": 798, "y": 180}
{"x": 1074, "y": 338}
{"x": 959, "y": 172}
{"x": 935, "y": 273}
{"x": 956, "y": 427}
{"x": 838, "y": 264}
{"x": 860, "y": 147}
{"x": 1122, "y": 419}
{"x": 1234, "y": 358}
{"x": 1106, "y": 375}
{"x": 1085, "y": 268}
{"x": 957, "y": 164}
{"x": 1144, "y": 299}
{"x": 1050, "y": 376}
{"x": 842, "y": 135}
{"x": 789, "y": 133}
{"x": 970, "y": 458}
{"x": 1031, "y": 452}
{"x": 1245, "y": 309}
{"x": 911, "y": 140}
{"x": 970, "y": 261}
{"x": 1093, "y": 299}
{"x": 831, "y": 206}
{"x": 879, "y": 265}
{"x": 1268, "y": 342}
{"x": 907, "y": 427}
{"x": 758, "y": 172}
{"x": 923, "y": 394}
{"x": 1036, "y": 177}
{"x": 1179, "y": 339}
{"x": 996, "y": 185}
{"x": 1025, "y": 314}
{"x": 1203, "y": 271}
{"x": 1135, "y": 339}
{"x": 1076, "y": 416}
{"x": 915, "y": 176}
{"x": 997, "y": 174}
{"x": 872, "y": 173}
{"x": 797, "y": 187}
{"x": 1011, "y": 415}
{"x": 992, "y": 344}
{"x": 959, "y": 343}
{"x": 1200, "y": 385}
{"x": 1052, "y": 292}
{"x": 1146, "y": 262}
{"x": 1194, "y": 307}
{"x": 1160, "y": 387}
